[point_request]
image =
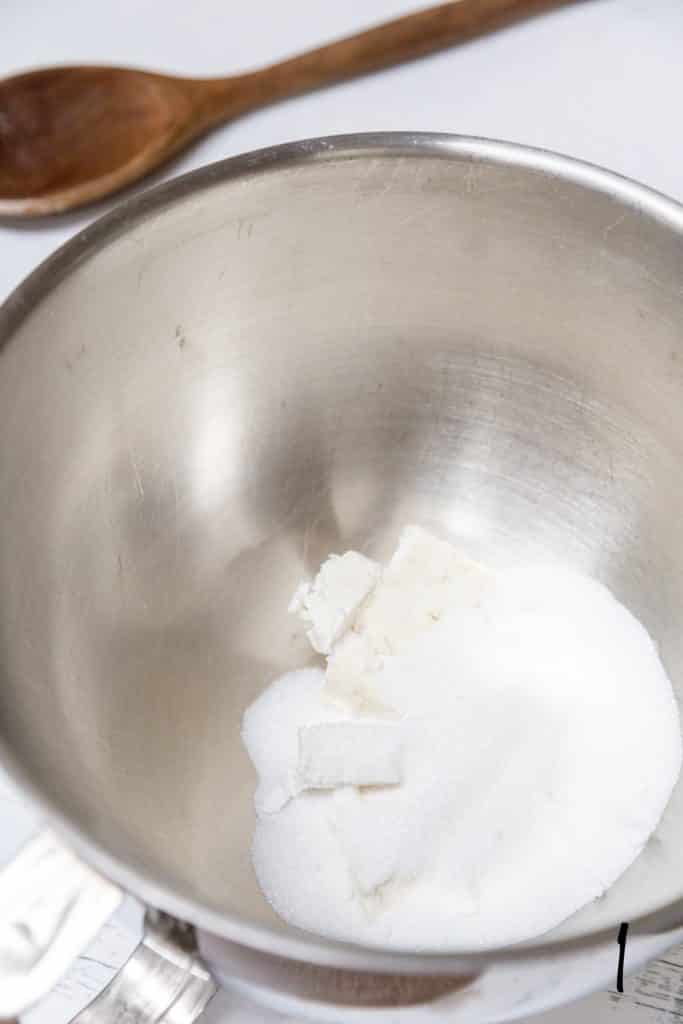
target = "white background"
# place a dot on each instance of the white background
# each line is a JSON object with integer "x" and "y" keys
{"x": 600, "y": 79}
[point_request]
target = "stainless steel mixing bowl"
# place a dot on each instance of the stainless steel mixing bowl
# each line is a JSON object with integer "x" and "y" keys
{"x": 292, "y": 353}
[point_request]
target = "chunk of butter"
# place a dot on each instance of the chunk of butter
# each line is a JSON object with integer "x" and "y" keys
{"x": 328, "y": 605}
{"x": 333, "y": 754}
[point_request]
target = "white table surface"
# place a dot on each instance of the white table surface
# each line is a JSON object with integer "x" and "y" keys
{"x": 601, "y": 80}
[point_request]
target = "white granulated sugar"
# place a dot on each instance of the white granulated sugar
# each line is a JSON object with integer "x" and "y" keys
{"x": 533, "y": 730}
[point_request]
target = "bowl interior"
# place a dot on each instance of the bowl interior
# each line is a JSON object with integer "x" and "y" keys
{"x": 297, "y": 359}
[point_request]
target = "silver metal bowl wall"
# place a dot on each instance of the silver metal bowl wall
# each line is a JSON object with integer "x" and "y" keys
{"x": 294, "y": 353}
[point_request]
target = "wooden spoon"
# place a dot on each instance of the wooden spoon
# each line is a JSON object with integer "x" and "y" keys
{"x": 69, "y": 135}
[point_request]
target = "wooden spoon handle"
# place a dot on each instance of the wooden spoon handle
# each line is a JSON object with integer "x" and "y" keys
{"x": 391, "y": 43}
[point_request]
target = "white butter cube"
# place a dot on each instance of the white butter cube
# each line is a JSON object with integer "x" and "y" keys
{"x": 420, "y": 554}
{"x": 425, "y": 578}
{"x": 333, "y": 754}
{"x": 329, "y": 604}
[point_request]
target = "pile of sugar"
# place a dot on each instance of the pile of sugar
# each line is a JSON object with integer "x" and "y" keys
{"x": 484, "y": 754}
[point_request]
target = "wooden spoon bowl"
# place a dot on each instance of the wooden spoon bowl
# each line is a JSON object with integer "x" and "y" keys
{"x": 74, "y": 134}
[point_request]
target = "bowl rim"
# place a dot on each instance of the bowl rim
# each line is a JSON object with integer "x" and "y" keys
{"x": 131, "y": 212}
